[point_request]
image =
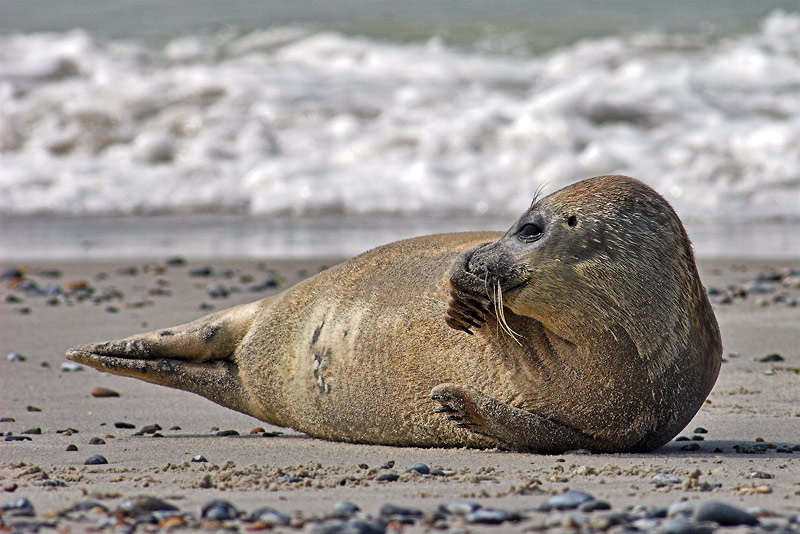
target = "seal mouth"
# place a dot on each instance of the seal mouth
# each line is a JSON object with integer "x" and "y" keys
{"x": 474, "y": 298}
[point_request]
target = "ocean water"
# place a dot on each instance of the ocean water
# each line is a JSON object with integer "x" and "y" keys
{"x": 363, "y": 111}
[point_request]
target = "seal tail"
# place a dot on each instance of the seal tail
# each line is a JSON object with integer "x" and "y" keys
{"x": 197, "y": 357}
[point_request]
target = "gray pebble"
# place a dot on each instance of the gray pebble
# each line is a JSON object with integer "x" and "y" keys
{"x": 387, "y": 477}
{"x": 458, "y": 507}
{"x": 681, "y": 508}
{"x": 593, "y": 506}
{"x": 199, "y": 458}
{"x": 337, "y": 526}
{"x": 269, "y": 516}
{"x": 16, "y": 357}
{"x": 95, "y": 459}
{"x": 723, "y": 514}
{"x": 219, "y": 510}
{"x": 122, "y": 424}
{"x": 422, "y": 469}
{"x": 143, "y": 504}
{"x": 684, "y": 526}
{"x": 19, "y": 507}
{"x": 290, "y": 479}
{"x": 566, "y": 501}
{"x": 664, "y": 479}
{"x": 33, "y": 431}
{"x": 487, "y": 516}
{"x": 71, "y": 367}
{"x": 344, "y": 510}
{"x": 97, "y": 441}
{"x": 400, "y": 513}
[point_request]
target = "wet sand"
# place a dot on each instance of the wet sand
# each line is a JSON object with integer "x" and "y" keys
{"x": 752, "y": 417}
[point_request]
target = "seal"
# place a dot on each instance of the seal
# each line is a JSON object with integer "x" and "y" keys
{"x": 584, "y": 326}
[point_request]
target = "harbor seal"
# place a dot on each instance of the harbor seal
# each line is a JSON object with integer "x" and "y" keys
{"x": 584, "y": 326}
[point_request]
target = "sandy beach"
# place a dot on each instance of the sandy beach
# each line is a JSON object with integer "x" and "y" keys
{"x": 742, "y": 448}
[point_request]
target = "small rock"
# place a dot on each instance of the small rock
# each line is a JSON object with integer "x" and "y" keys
{"x": 487, "y": 516}
{"x": 16, "y": 357}
{"x": 71, "y": 447}
{"x": 566, "y": 501}
{"x": 691, "y": 447}
{"x": 700, "y": 430}
{"x": 95, "y": 459}
{"x": 7, "y": 419}
{"x": 225, "y": 433}
{"x": 458, "y": 507}
{"x": 32, "y": 409}
{"x": 290, "y": 479}
{"x": 104, "y": 392}
{"x": 593, "y": 506}
{"x": 664, "y": 479}
{"x": 18, "y": 507}
{"x": 10, "y": 437}
{"x": 723, "y": 514}
{"x": 175, "y": 261}
{"x": 144, "y": 504}
{"x": 344, "y": 510}
{"x": 681, "y": 508}
{"x": 10, "y": 488}
{"x": 150, "y": 429}
{"x": 760, "y": 474}
{"x": 199, "y": 458}
{"x": 771, "y": 358}
{"x": 400, "y": 514}
{"x": 122, "y": 424}
{"x": 97, "y": 441}
{"x": 387, "y": 477}
{"x": 269, "y": 516}
{"x": 71, "y": 367}
{"x": 683, "y": 526}
{"x": 422, "y": 469}
{"x": 219, "y": 510}
{"x": 33, "y": 431}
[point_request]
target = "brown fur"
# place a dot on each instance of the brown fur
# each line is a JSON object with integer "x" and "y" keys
{"x": 617, "y": 347}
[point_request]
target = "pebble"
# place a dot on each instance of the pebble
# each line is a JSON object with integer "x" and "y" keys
{"x": 691, "y": 447}
{"x": 18, "y": 507}
{"x": 681, "y": 508}
{"x": 593, "y": 506}
{"x": 7, "y": 419}
{"x": 664, "y": 479}
{"x": 97, "y": 441}
{"x": 16, "y": 357}
{"x": 71, "y": 367}
{"x": 104, "y": 392}
{"x": 269, "y": 516}
{"x": 566, "y": 501}
{"x": 199, "y": 458}
{"x": 400, "y": 513}
{"x": 10, "y": 437}
{"x": 771, "y": 358}
{"x": 95, "y": 459}
{"x": 337, "y": 526}
{"x": 71, "y": 447}
{"x": 32, "y": 409}
{"x": 683, "y": 526}
{"x": 225, "y": 433}
{"x": 34, "y": 431}
{"x": 219, "y": 510}
{"x": 700, "y": 430}
{"x": 144, "y": 504}
{"x": 422, "y": 469}
{"x": 723, "y": 514}
{"x": 458, "y": 507}
{"x": 387, "y": 477}
{"x": 150, "y": 429}
{"x": 122, "y": 424}
{"x": 344, "y": 510}
{"x": 487, "y": 516}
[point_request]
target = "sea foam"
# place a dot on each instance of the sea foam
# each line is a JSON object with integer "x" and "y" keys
{"x": 292, "y": 121}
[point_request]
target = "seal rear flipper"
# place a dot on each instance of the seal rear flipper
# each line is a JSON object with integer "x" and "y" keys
{"x": 215, "y": 380}
{"x": 196, "y": 357}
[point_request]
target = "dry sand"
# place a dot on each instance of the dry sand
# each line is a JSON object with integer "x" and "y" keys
{"x": 751, "y": 400}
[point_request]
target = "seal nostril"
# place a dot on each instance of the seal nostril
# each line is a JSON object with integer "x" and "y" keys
{"x": 572, "y": 221}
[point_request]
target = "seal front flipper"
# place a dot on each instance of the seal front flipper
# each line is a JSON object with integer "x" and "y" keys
{"x": 196, "y": 357}
{"x": 511, "y": 427}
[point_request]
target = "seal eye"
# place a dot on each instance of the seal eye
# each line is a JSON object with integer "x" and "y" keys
{"x": 572, "y": 221}
{"x": 530, "y": 232}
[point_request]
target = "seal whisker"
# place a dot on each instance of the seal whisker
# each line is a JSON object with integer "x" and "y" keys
{"x": 501, "y": 317}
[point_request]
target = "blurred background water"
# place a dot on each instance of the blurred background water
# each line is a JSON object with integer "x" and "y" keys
{"x": 141, "y": 128}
